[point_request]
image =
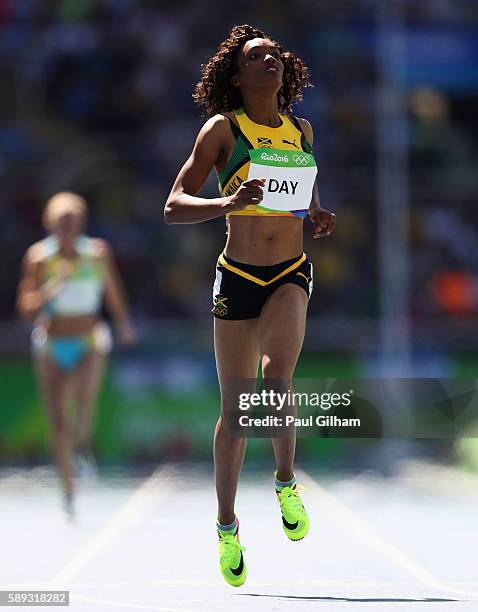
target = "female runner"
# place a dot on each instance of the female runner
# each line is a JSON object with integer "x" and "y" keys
{"x": 263, "y": 279}
{"x": 63, "y": 281}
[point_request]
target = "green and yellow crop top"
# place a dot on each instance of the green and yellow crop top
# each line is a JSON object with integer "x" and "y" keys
{"x": 250, "y": 135}
{"x": 82, "y": 292}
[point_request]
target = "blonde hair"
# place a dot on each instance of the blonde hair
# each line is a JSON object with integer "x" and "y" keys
{"x": 64, "y": 202}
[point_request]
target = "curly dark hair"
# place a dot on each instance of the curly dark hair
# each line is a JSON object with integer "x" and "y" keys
{"x": 214, "y": 92}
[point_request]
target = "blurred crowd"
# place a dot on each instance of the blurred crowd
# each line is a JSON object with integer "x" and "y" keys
{"x": 96, "y": 98}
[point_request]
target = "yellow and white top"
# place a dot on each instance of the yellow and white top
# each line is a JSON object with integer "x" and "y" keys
{"x": 82, "y": 292}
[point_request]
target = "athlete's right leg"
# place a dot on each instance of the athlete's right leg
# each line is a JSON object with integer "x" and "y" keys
{"x": 86, "y": 383}
{"x": 54, "y": 387}
{"x": 236, "y": 345}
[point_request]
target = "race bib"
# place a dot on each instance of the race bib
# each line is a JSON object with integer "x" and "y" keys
{"x": 290, "y": 177}
{"x": 78, "y": 296}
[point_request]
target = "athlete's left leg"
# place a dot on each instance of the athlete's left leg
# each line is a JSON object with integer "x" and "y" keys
{"x": 282, "y": 329}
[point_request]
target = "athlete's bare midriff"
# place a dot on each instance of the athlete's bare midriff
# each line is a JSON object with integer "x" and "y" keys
{"x": 259, "y": 240}
{"x": 263, "y": 241}
{"x": 71, "y": 326}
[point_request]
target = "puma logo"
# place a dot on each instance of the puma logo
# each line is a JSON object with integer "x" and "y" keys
{"x": 307, "y": 278}
{"x": 290, "y": 143}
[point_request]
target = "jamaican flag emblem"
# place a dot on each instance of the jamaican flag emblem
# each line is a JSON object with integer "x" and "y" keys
{"x": 264, "y": 143}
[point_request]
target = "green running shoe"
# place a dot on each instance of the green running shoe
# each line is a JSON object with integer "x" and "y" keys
{"x": 231, "y": 560}
{"x": 295, "y": 521}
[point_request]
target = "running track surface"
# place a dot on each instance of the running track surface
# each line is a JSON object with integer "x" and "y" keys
{"x": 147, "y": 541}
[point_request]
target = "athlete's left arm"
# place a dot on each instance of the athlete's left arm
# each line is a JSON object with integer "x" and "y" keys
{"x": 115, "y": 296}
{"x": 323, "y": 220}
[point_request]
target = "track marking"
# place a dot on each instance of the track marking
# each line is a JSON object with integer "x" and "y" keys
{"x": 345, "y": 518}
{"x": 141, "y": 501}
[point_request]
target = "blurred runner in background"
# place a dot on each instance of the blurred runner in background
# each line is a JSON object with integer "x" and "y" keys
{"x": 64, "y": 278}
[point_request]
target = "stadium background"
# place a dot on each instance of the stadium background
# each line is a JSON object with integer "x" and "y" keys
{"x": 96, "y": 98}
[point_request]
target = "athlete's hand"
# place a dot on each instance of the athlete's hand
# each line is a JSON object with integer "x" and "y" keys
{"x": 250, "y": 192}
{"x": 65, "y": 270}
{"x": 54, "y": 286}
{"x": 323, "y": 220}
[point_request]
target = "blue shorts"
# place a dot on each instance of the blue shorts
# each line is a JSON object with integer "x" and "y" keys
{"x": 68, "y": 351}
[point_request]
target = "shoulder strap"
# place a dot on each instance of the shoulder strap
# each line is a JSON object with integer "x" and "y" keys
{"x": 235, "y": 129}
{"x": 84, "y": 246}
{"x": 50, "y": 246}
{"x": 305, "y": 144}
{"x": 238, "y": 133}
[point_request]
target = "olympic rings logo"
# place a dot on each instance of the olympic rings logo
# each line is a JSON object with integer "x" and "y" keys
{"x": 300, "y": 160}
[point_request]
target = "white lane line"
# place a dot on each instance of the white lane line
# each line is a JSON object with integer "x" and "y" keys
{"x": 346, "y": 519}
{"x": 141, "y": 501}
{"x": 130, "y": 605}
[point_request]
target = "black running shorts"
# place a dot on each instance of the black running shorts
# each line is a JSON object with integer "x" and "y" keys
{"x": 240, "y": 290}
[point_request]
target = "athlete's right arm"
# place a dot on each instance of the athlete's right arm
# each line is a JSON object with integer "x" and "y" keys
{"x": 31, "y": 294}
{"x": 182, "y": 205}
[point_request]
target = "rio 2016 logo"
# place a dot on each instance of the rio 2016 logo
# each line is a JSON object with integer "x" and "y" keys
{"x": 274, "y": 157}
{"x": 300, "y": 160}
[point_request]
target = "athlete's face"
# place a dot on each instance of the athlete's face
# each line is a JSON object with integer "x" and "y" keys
{"x": 67, "y": 227}
{"x": 260, "y": 65}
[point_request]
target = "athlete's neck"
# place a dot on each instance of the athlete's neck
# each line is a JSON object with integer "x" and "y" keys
{"x": 261, "y": 109}
{"x": 68, "y": 248}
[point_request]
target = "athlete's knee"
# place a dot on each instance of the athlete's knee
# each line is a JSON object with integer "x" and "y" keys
{"x": 227, "y": 430}
{"x": 278, "y": 367}
{"x": 231, "y": 400}
{"x": 58, "y": 422}
{"x": 223, "y": 422}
